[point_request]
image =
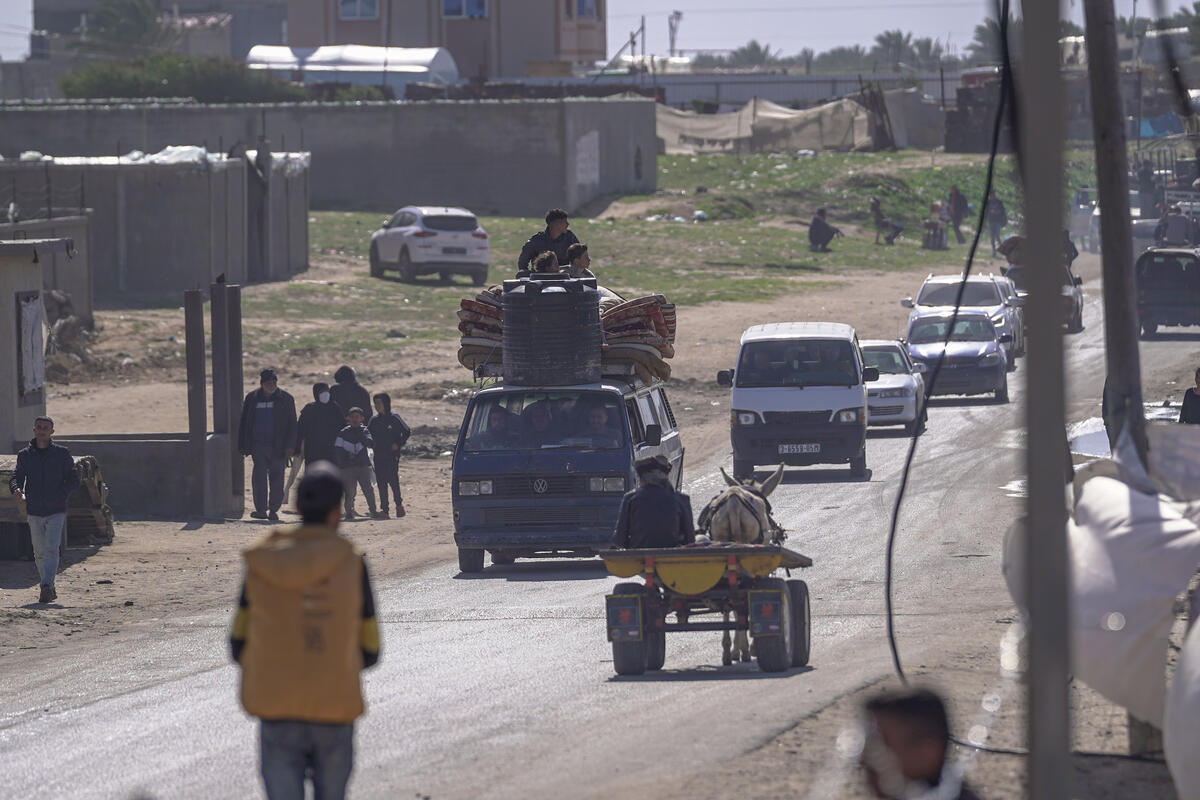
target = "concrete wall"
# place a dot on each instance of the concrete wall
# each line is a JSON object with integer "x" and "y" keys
{"x": 494, "y": 157}
{"x": 18, "y": 273}
{"x": 70, "y": 272}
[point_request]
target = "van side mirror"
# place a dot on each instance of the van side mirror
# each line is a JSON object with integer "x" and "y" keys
{"x": 870, "y": 374}
{"x": 919, "y": 367}
{"x": 907, "y": 302}
{"x": 1005, "y": 338}
{"x": 725, "y": 377}
{"x": 653, "y": 435}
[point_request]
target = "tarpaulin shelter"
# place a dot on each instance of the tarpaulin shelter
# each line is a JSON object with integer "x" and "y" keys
{"x": 356, "y": 64}
{"x": 761, "y": 125}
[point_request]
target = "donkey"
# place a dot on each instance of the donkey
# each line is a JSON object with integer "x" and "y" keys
{"x": 742, "y": 514}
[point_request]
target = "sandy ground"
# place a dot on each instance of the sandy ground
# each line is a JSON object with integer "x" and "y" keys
{"x": 155, "y": 569}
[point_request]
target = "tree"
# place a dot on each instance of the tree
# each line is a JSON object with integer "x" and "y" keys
{"x": 842, "y": 59}
{"x": 126, "y": 28}
{"x": 753, "y": 54}
{"x": 207, "y": 80}
{"x": 893, "y": 48}
{"x": 927, "y": 53}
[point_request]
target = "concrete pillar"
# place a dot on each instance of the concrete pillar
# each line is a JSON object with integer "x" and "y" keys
{"x": 236, "y": 388}
{"x": 193, "y": 323}
{"x": 220, "y": 358}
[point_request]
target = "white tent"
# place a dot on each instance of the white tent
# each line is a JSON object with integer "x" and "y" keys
{"x": 357, "y": 64}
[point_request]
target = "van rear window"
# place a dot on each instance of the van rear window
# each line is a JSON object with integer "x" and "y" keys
{"x": 452, "y": 223}
{"x": 1167, "y": 271}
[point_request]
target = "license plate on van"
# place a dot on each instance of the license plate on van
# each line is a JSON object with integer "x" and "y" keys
{"x": 787, "y": 449}
{"x": 454, "y": 251}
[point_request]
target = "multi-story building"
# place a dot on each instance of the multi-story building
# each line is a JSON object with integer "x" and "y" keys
{"x": 488, "y": 38}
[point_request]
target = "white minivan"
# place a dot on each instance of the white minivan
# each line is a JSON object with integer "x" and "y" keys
{"x": 798, "y": 397}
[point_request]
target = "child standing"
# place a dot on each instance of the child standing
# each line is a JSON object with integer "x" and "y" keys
{"x": 350, "y": 448}
{"x": 389, "y": 432}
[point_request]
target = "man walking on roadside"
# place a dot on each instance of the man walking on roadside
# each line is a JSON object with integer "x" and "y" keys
{"x": 304, "y": 630}
{"x": 390, "y": 432}
{"x": 959, "y": 207}
{"x": 267, "y": 434}
{"x": 42, "y": 482}
{"x": 555, "y": 238}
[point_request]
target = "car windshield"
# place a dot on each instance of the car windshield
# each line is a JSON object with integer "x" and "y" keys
{"x": 945, "y": 294}
{"x": 546, "y": 420}
{"x": 885, "y": 359}
{"x": 974, "y": 329}
{"x": 455, "y": 223}
{"x": 797, "y": 362}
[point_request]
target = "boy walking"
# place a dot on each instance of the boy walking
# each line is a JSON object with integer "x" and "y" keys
{"x": 389, "y": 432}
{"x": 43, "y": 481}
{"x": 351, "y": 450}
{"x": 305, "y": 628}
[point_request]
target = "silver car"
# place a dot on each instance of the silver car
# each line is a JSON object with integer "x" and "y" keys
{"x": 898, "y": 396}
{"x": 940, "y": 292}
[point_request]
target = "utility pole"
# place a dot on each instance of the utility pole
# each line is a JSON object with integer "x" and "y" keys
{"x": 673, "y": 29}
{"x": 1123, "y": 387}
{"x": 1042, "y": 127}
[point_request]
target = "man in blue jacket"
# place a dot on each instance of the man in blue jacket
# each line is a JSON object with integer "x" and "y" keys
{"x": 43, "y": 481}
{"x": 267, "y": 433}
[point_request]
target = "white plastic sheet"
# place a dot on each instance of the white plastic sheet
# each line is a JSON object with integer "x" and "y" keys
{"x": 33, "y": 364}
{"x": 1181, "y": 725}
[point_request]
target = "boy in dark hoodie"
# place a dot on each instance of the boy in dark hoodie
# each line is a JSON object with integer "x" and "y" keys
{"x": 390, "y": 432}
{"x": 347, "y": 392}
{"x": 351, "y": 449}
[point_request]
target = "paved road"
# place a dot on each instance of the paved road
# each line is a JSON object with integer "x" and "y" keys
{"x": 501, "y": 685}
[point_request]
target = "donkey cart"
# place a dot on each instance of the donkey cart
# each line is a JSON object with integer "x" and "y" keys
{"x": 734, "y": 582}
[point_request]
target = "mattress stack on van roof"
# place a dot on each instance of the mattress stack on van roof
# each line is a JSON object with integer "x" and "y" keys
{"x": 636, "y": 337}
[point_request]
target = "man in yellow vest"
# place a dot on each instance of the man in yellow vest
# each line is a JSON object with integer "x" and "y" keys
{"x": 305, "y": 628}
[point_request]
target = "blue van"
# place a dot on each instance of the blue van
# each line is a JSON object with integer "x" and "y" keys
{"x": 540, "y": 471}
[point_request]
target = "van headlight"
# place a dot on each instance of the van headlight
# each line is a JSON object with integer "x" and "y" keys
{"x": 610, "y": 484}
{"x": 743, "y": 418}
{"x": 485, "y": 487}
{"x": 905, "y": 391}
{"x": 468, "y": 488}
{"x": 850, "y": 415}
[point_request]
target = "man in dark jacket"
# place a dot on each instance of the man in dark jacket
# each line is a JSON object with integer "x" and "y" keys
{"x": 352, "y": 457}
{"x": 654, "y": 514}
{"x": 1189, "y": 412}
{"x": 319, "y": 424}
{"x": 347, "y": 392}
{"x": 42, "y": 482}
{"x": 958, "y": 211}
{"x": 555, "y": 238}
{"x": 268, "y": 435}
{"x": 390, "y": 432}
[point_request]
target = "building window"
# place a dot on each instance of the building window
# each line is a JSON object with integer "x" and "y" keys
{"x": 464, "y": 9}
{"x": 358, "y": 9}
{"x": 586, "y": 9}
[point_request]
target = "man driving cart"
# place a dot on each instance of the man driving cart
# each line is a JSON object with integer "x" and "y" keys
{"x": 654, "y": 515}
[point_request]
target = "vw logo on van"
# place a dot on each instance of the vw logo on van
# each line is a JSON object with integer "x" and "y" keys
{"x": 541, "y": 486}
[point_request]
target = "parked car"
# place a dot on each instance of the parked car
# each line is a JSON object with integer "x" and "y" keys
{"x": 422, "y": 240}
{"x": 1016, "y": 311}
{"x": 1071, "y": 290}
{"x": 798, "y": 397}
{"x": 898, "y": 396}
{"x": 1168, "y": 288}
{"x": 980, "y": 293}
{"x": 975, "y": 360}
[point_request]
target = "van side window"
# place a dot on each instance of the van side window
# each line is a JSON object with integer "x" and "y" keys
{"x": 663, "y": 408}
{"x": 635, "y": 422}
{"x": 647, "y": 410}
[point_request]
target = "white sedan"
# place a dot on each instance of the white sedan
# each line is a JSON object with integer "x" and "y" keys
{"x": 898, "y": 397}
{"x": 421, "y": 240}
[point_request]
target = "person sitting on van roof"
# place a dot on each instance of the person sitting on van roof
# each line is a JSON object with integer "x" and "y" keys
{"x": 1174, "y": 229}
{"x": 555, "y": 238}
{"x": 544, "y": 267}
{"x": 654, "y": 514}
{"x": 579, "y": 261}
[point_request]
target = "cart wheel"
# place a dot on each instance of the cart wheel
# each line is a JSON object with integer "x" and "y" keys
{"x": 801, "y": 622}
{"x": 775, "y": 652}
{"x": 630, "y": 658}
{"x": 470, "y": 559}
{"x": 656, "y": 650}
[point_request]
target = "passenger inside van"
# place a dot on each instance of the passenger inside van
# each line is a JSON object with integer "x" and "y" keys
{"x": 540, "y": 429}
{"x": 499, "y": 433}
{"x": 600, "y": 429}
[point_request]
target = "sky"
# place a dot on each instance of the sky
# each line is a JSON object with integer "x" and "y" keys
{"x": 16, "y": 17}
{"x": 791, "y": 25}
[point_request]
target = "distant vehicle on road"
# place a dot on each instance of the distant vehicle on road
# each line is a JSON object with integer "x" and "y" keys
{"x": 975, "y": 359}
{"x": 898, "y": 396}
{"x": 1168, "y": 287}
{"x": 1015, "y": 304}
{"x": 799, "y": 397}
{"x": 980, "y": 293}
{"x": 422, "y": 240}
{"x": 1071, "y": 289}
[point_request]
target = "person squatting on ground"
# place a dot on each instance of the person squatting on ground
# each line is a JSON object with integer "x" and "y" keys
{"x": 821, "y": 233}
{"x": 556, "y": 238}
{"x": 305, "y": 628}
{"x": 43, "y": 481}
{"x": 883, "y": 226}
{"x": 578, "y": 261}
{"x": 351, "y": 448}
{"x": 390, "y": 432}
{"x": 267, "y": 434}
{"x": 654, "y": 514}
{"x": 347, "y": 392}
{"x": 904, "y": 756}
